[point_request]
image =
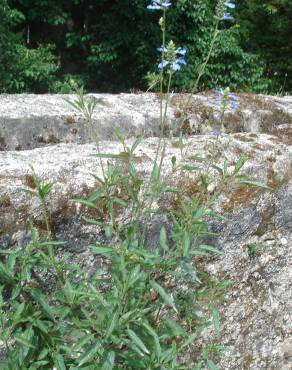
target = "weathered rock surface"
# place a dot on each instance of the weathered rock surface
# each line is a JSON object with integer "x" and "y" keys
{"x": 258, "y": 313}
{"x": 30, "y": 121}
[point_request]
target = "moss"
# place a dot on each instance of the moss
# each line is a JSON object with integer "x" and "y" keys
{"x": 276, "y": 118}
{"x": 29, "y": 181}
{"x": 243, "y": 138}
{"x": 242, "y": 194}
{"x": 73, "y": 130}
{"x": 123, "y": 157}
{"x": 52, "y": 139}
{"x": 266, "y": 220}
{"x": 5, "y": 201}
{"x": 69, "y": 120}
{"x": 272, "y": 180}
{"x": 2, "y": 144}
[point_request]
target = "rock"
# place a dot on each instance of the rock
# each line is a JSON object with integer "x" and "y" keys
{"x": 30, "y": 121}
{"x": 257, "y": 313}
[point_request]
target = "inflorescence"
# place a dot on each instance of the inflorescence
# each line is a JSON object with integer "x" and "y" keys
{"x": 222, "y": 6}
{"x": 159, "y": 5}
{"x": 174, "y": 58}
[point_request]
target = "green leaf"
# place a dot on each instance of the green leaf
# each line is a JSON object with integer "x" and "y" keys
{"x": 6, "y": 274}
{"x": 82, "y": 341}
{"x": 155, "y": 172}
{"x": 29, "y": 191}
{"x": 181, "y": 142}
{"x": 16, "y": 291}
{"x": 137, "y": 341}
{"x": 92, "y": 221}
{"x": 95, "y": 195}
{"x": 175, "y": 329}
{"x": 216, "y": 320}
{"x": 1, "y": 296}
{"x": 98, "y": 249}
{"x": 191, "y": 339}
{"x": 46, "y": 189}
{"x": 255, "y": 183}
{"x": 163, "y": 239}
{"x": 108, "y": 231}
{"x": 6, "y": 251}
{"x": 153, "y": 333}
{"x": 38, "y": 365}
{"x": 121, "y": 202}
{"x": 196, "y": 157}
{"x": 60, "y": 363}
{"x": 211, "y": 365}
{"x": 41, "y": 325}
{"x": 218, "y": 169}
{"x": 19, "y": 311}
{"x": 225, "y": 168}
{"x": 167, "y": 298}
{"x": 107, "y": 155}
{"x": 89, "y": 354}
{"x": 22, "y": 340}
{"x": 85, "y": 203}
{"x": 136, "y": 143}
{"x": 210, "y": 249}
{"x": 239, "y": 164}
{"x": 173, "y": 160}
{"x": 43, "y": 354}
{"x": 41, "y": 299}
{"x": 186, "y": 242}
{"x": 112, "y": 324}
{"x": 190, "y": 168}
{"x": 109, "y": 361}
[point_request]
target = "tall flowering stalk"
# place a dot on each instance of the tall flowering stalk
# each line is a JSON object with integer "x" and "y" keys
{"x": 220, "y": 15}
{"x": 172, "y": 59}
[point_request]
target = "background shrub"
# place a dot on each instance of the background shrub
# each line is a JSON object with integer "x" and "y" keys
{"x": 111, "y": 44}
{"x": 22, "y": 68}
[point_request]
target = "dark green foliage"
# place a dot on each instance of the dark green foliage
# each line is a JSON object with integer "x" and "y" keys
{"x": 264, "y": 28}
{"x": 192, "y": 25}
{"x": 21, "y": 68}
{"x": 110, "y": 45}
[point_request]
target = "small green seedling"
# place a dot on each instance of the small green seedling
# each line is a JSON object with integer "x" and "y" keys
{"x": 41, "y": 190}
{"x": 254, "y": 249}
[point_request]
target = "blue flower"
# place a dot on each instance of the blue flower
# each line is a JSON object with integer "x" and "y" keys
{"x": 234, "y": 106}
{"x": 181, "y": 51}
{"x": 229, "y": 4}
{"x": 161, "y": 49}
{"x": 163, "y": 64}
{"x": 176, "y": 61}
{"x": 228, "y": 17}
{"x": 232, "y": 100}
{"x": 176, "y": 65}
{"x": 233, "y": 96}
{"x": 159, "y": 4}
{"x": 216, "y": 131}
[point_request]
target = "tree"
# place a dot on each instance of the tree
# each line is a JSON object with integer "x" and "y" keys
{"x": 21, "y": 68}
{"x": 264, "y": 28}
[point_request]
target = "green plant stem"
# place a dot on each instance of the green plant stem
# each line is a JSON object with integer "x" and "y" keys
{"x": 95, "y": 138}
{"x": 46, "y": 217}
{"x": 162, "y": 156}
{"x": 202, "y": 69}
{"x": 162, "y": 120}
